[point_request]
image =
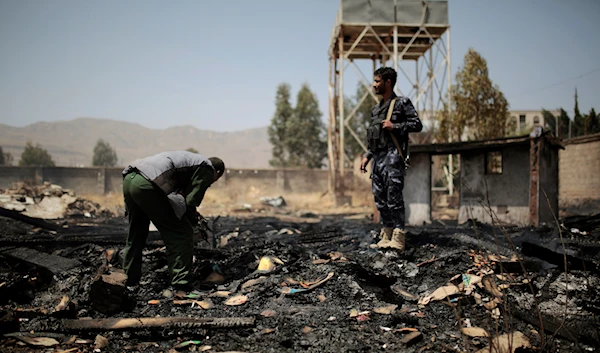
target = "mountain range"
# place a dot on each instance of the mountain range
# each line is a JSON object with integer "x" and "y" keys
{"x": 71, "y": 143}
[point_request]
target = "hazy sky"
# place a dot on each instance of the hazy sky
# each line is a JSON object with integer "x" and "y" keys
{"x": 216, "y": 64}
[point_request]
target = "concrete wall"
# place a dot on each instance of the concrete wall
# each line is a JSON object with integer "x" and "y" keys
{"x": 417, "y": 189}
{"x": 507, "y": 193}
{"x": 107, "y": 180}
{"x": 416, "y": 192}
{"x": 548, "y": 187}
{"x": 579, "y": 175}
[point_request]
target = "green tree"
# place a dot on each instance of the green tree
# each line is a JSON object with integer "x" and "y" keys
{"x": 35, "y": 156}
{"x": 5, "y": 158}
{"x": 104, "y": 154}
{"x": 592, "y": 123}
{"x": 305, "y": 132}
{"x": 477, "y": 107}
{"x": 192, "y": 149}
{"x": 8, "y": 158}
{"x": 578, "y": 123}
{"x": 559, "y": 125}
{"x": 277, "y": 128}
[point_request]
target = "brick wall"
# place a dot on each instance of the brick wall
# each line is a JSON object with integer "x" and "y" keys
{"x": 579, "y": 173}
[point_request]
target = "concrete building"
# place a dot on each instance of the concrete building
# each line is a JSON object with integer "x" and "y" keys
{"x": 524, "y": 120}
{"x": 508, "y": 178}
{"x": 527, "y": 119}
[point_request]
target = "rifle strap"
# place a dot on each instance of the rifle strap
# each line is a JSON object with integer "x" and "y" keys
{"x": 389, "y": 116}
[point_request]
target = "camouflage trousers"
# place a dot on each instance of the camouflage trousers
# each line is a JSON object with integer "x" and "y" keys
{"x": 387, "y": 183}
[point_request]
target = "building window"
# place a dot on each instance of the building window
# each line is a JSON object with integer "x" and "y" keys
{"x": 522, "y": 122}
{"x": 493, "y": 163}
{"x": 536, "y": 120}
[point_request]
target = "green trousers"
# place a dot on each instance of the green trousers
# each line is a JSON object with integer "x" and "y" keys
{"x": 146, "y": 202}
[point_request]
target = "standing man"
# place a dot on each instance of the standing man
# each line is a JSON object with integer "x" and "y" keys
{"x": 387, "y": 140}
{"x": 166, "y": 189}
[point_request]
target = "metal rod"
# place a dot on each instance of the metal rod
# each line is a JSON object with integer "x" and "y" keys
{"x": 351, "y": 115}
{"x": 364, "y": 80}
{"x": 362, "y": 34}
{"x": 396, "y": 55}
{"x": 330, "y": 125}
{"x": 341, "y": 106}
{"x": 450, "y": 159}
{"x": 431, "y": 80}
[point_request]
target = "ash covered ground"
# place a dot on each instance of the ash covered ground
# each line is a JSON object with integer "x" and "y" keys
{"x": 282, "y": 283}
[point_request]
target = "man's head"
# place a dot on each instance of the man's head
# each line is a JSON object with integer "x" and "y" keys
{"x": 384, "y": 80}
{"x": 219, "y": 166}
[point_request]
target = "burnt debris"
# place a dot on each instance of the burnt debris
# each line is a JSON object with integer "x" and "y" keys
{"x": 270, "y": 283}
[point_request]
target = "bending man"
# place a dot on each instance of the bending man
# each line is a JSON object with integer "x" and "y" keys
{"x": 166, "y": 189}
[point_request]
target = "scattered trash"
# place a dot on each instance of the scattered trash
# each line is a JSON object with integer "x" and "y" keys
{"x": 273, "y": 201}
{"x": 253, "y": 282}
{"x": 474, "y": 332}
{"x": 365, "y": 281}
{"x": 507, "y": 343}
{"x": 411, "y": 338}
{"x": 221, "y": 294}
{"x": 267, "y": 330}
{"x": 307, "y": 286}
{"x": 386, "y": 310}
{"x": 186, "y": 344}
{"x": 406, "y": 329}
{"x": 269, "y": 313}
{"x": 267, "y": 264}
{"x": 411, "y": 270}
{"x": 363, "y": 316}
{"x": 237, "y": 300}
{"x": 439, "y": 294}
{"x": 100, "y": 342}
{"x": 64, "y": 302}
{"x": 400, "y": 291}
{"x": 49, "y": 201}
{"x": 204, "y": 304}
{"x": 38, "y": 341}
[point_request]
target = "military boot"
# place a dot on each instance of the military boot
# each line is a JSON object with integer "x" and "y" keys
{"x": 386, "y": 236}
{"x": 398, "y": 239}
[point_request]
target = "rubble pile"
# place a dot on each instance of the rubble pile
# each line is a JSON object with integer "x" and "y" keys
{"x": 49, "y": 201}
{"x": 276, "y": 284}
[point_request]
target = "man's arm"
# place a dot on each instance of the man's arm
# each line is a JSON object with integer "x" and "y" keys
{"x": 202, "y": 179}
{"x": 412, "y": 123}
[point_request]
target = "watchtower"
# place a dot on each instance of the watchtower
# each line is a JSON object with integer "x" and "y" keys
{"x": 407, "y": 33}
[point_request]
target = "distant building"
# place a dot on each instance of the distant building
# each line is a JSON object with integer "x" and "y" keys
{"x": 527, "y": 119}
{"x": 524, "y": 120}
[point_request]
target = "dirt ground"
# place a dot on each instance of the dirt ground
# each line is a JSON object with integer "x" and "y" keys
{"x": 304, "y": 277}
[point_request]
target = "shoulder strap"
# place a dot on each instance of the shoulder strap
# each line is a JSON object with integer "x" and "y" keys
{"x": 389, "y": 116}
{"x": 390, "y": 109}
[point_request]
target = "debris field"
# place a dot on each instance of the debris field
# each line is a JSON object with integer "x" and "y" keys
{"x": 282, "y": 283}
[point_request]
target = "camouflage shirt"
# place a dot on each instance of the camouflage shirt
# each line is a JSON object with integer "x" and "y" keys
{"x": 404, "y": 119}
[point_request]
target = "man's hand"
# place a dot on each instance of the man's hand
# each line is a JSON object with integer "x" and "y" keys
{"x": 388, "y": 125}
{"x": 192, "y": 215}
{"x": 363, "y": 165}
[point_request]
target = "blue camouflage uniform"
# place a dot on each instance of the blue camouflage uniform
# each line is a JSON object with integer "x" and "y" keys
{"x": 389, "y": 168}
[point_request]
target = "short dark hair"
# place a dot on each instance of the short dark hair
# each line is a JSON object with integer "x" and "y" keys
{"x": 387, "y": 73}
{"x": 218, "y": 164}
